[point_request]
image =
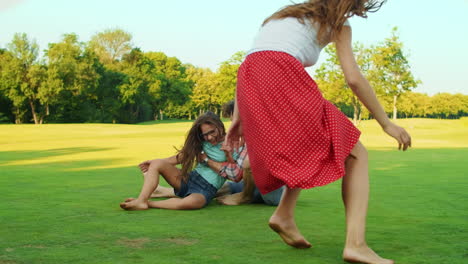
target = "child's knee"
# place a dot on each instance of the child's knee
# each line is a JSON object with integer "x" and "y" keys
{"x": 156, "y": 164}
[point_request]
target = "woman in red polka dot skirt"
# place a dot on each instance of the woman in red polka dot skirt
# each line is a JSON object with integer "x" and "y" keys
{"x": 296, "y": 137}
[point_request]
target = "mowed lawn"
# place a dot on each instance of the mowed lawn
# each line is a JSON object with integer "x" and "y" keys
{"x": 61, "y": 185}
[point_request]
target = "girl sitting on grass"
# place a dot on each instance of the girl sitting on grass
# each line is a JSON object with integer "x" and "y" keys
{"x": 194, "y": 188}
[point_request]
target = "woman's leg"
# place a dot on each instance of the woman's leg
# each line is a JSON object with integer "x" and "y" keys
{"x": 355, "y": 192}
{"x": 224, "y": 190}
{"x": 163, "y": 192}
{"x": 242, "y": 197}
{"x": 282, "y": 220}
{"x": 151, "y": 180}
{"x": 191, "y": 202}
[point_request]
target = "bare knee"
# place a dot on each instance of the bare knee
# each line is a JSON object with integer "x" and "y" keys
{"x": 156, "y": 165}
{"x": 359, "y": 152}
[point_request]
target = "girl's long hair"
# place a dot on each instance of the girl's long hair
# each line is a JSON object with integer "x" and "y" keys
{"x": 188, "y": 155}
{"x": 330, "y": 15}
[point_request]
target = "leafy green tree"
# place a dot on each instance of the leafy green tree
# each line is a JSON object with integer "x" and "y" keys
{"x": 204, "y": 94}
{"x": 331, "y": 81}
{"x": 446, "y": 105}
{"x": 19, "y": 80}
{"x": 139, "y": 86}
{"x": 413, "y": 104}
{"x": 227, "y": 78}
{"x": 464, "y": 107}
{"x": 392, "y": 69}
{"x": 72, "y": 79}
{"x": 111, "y": 45}
{"x": 175, "y": 88}
{"x": 6, "y": 114}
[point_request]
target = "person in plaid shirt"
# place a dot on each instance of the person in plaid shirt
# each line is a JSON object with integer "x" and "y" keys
{"x": 241, "y": 188}
{"x": 233, "y": 169}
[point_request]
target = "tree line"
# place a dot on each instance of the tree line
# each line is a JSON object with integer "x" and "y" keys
{"x": 107, "y": 80}
{"x": 387, "y": 68}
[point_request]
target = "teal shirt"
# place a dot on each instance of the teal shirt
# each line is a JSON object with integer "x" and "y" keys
{"x": 214, "y": 153}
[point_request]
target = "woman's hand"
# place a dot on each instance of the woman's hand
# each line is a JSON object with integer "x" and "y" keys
{"x": 202, "y": 156}
{"x": 144, "y": 166}
{"x": 228, "y": 152}
{"x": 400, "y": 134}
{"x": 235, "y": 136}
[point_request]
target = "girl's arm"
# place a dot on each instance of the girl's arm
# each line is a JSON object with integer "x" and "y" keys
{"x": 234, "y": 137}
{"x": 230, "y": 169}
{"x": 214, "y": 165}
{"x": 362, "y": 89}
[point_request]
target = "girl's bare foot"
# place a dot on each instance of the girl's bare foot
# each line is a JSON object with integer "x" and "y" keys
{"x": 232, "y": 199}
{"x": 288, "y": 231}
{"x": 363, "y": 254}
{"x": 132, "y": 204}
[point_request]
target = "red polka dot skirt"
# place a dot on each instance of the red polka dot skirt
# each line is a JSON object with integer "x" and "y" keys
{"x": 295, "y": 137}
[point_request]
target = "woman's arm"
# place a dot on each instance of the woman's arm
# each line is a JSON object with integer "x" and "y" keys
{"x": 214, "y": 165}
{"x": 234, "y": 137}
{"x": 354, "y": 78}
{"x": 362, "y": 89}
{"x": 230, "y": 169}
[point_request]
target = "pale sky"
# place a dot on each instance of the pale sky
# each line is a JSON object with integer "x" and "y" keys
{"x": 207, "y": 32}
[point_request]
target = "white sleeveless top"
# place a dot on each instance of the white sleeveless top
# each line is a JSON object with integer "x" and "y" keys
{"x": 290, "y": 36}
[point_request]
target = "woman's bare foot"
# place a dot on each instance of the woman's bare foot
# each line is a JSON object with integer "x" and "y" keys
{"x": 132, "y": 204}
{"x": 363, "y": 254}
{"x": 288, "y": 231}
{"x": 232, "y": 199}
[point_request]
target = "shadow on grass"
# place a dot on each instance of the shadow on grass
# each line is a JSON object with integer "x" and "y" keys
{"x": 74, "y": 217}
{"x": 8, "y": 156}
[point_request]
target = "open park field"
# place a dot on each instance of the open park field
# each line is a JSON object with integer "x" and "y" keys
{"x": 61, "y": 184}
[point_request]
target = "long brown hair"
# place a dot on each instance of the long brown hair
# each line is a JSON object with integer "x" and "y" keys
{"x": 188, "y": 155}
{"x": 329, "y": 14}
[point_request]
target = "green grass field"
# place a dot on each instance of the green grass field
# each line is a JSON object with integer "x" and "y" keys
{"x": 61, "y": 186}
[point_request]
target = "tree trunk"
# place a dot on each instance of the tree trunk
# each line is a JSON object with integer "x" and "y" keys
{"x": 360, "y": 116}
{"x": 394, "y": 107}
{"x": 33, "y": 111}
{"x": 17, "y": 116}
{"x": 355, "y": 114}
{"x": 161, "y": 114}
{"x": 355, "y": 103}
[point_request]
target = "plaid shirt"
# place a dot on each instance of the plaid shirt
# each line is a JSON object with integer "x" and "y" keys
{"x": 234, "y": 171}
